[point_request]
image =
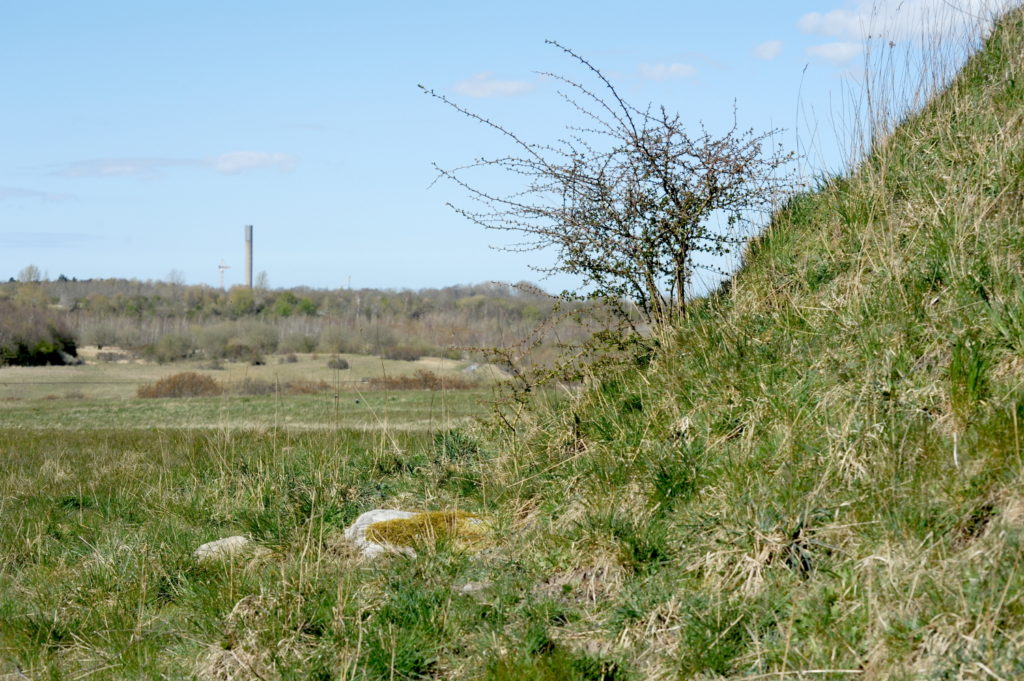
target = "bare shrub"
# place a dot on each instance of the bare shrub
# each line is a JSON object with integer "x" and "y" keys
{"x": 408, "y": 353}
{"x": 307, "y": 387}
{"x": 256, "y": 387}
{"x": 169, "y": 348}
{"x": 185, "y": 384}
{"x": 339, "y": 363}
{"x": 628, "y": 197}
{"x": 422, "y": 380}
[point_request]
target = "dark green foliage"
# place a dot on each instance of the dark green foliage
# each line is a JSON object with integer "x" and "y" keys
{"x": 338, "y": 363}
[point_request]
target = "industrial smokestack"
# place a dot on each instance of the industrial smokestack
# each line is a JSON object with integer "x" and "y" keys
{"x": 248, "y": 256}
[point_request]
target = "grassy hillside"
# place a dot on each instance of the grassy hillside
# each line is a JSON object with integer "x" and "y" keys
{"x": 820, "y": 476}
{"x": 824, "y": 471}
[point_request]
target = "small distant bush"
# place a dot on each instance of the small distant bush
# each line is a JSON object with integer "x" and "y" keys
{"x": 186, "y": 384}
{"x": 255, "y": 386}
{"x": 422, "y": 380}
{"x": 408, "y": 353}
{"x": 337, "y": 363}
{"x": 290, "y": 358}
{"x": 169, "y": 348}
{"x": 307, "y": 387}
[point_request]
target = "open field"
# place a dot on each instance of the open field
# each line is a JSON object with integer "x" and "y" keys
{"x": 422, "y": 410}
{"x": 104, "y": 500}
{"x": 97, "y": 577}
{"x": 120, "y": 380}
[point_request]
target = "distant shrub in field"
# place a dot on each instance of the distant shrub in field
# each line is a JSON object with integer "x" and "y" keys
{"x": 337, "y": 363}
{"x": 307, "y": 387}
{"x": 169, "y": 348}
{"x": 290, "y": 358}
{"x": 186, "y": 384}
{"x": 238, "y": 352}
{"x": 255, "y": 386}
{"x": 408, "y": 353}
{"x": 422, "y": 380}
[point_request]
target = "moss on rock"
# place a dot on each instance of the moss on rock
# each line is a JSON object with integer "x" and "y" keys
{"x": 465, "y": 530}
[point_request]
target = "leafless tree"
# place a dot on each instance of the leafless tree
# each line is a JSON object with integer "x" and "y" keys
{"x": 628, "y": 199}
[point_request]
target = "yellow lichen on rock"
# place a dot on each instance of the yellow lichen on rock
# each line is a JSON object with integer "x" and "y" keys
{"x": 465, "y": 530}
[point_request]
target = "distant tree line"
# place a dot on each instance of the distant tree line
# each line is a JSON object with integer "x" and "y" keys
{"x": 166, "y": 321}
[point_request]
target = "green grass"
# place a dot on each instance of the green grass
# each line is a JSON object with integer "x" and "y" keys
{"x": 820, "y": 476}
{"x": 422, "y": 410}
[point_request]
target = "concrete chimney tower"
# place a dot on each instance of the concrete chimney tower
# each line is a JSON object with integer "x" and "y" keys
{"x": 248, "y": 256}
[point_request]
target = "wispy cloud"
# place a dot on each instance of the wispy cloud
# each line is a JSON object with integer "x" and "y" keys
{"x": 238, "y": 161}
{"x": 900, "y": 19}
{"x": 768, "y": 50}
{"x": 840, "y": 53}
{"x": 15, "y": 193}
{"x": 230, "y": 163}
{"x": 667, "y": 71}
{"x": 119, "y": 167}
{"x": 483, "y": 85}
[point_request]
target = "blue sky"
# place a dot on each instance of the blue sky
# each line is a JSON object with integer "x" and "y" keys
{"x": 139, "y": 138}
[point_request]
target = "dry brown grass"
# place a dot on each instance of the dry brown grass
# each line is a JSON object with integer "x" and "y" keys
{"x": 185, "y": 384}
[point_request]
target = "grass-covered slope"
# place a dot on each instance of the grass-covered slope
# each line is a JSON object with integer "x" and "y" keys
{"x": 824, "y": 472}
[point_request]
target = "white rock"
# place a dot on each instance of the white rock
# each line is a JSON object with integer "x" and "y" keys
{"x": 222, "y": 548}
{"x": 356, "y": 532}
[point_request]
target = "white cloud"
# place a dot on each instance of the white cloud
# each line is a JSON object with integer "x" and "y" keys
{"x": 230, "y": 163}
{"x": 666, "y": 71}
{"x": 838, "y": 22}
{"x": 485, "y": 85}
{"x": 237, "y": 161}
{"x": 12, "y": 193}
{"x": 768, "y": 50}
{"x": 837, "y": 53}
{"x": 902, "y": 19}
